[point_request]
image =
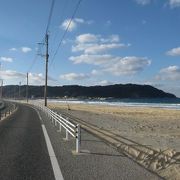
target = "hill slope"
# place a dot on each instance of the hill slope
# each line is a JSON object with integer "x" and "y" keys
{"x": 114, "y": 91}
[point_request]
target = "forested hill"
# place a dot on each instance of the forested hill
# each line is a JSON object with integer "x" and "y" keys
{"x": 114, "y": 91}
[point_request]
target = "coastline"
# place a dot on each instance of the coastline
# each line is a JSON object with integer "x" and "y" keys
{"x": 156, "y": 127}
{"x": 165, "y": 103}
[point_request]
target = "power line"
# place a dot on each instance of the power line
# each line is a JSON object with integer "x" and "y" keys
{"x": 66, "y": 30}
{"x": 35, "y": 57}
{"x": 46, "y": 43}
{"x": 61, "y": 18}
{"x": 50, "y": 16}
{"x": 47, "y": 29}
{"x": 33, "y": 63}
{"x": 47, "y": 51}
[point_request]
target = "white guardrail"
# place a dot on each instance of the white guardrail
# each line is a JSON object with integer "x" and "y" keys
{"x": 73, "y": 129}
{"x": 70, "y": 128}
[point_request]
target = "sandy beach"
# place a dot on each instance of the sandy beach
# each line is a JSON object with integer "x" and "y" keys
{"x": 155, "y": 127}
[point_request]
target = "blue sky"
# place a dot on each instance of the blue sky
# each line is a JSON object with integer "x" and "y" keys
{"x": 108, "y": 42}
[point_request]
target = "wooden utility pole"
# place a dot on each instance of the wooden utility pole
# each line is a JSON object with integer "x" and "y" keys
{"x": 46, "y": 73}
{"x": 14, "y": 92}
{"x": 19, "y": 90}
{"x": 27, "y": 86}
{"x": 1, "y": 84}
{"x": 1, "y": 88}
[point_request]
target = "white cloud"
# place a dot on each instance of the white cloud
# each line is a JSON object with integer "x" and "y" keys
{"x": 94, "y": 44}
{"x": 13, "y": 77}
{"x": 114, "y": 65}
{"x": 9, "y": 74}
{"x": 72, "y": 24}
{"x": 36, "y": 78}
{"x": 6, "y": 59}
{"x": 96, "y": 72}
{"x": 92, "y": 38}
{"x": 39, "y": 79}
{"x": 92, "y": 59}
{"x": 13, "y": 49}
{"x": 22, "y": 49}
{"x": 143, "y": 2}
{"x": 105, "y": 83}
{"x": 79, "y": 20}
{"x": 114, "y": 38}
{"x": 96, "y": 48}
{"x": 174, "y": 52}
{"x": 74, "y": 76}
{"x": 86, "y": 38}
{"x": 170, "y": 73}
{"x": 171, "y": 3}
{"x": 174, "y": 3}
{"x": 26, "y": 49}
{"x": 127, "y": 65}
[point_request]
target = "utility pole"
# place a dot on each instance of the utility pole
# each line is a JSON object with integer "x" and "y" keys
{"x": 27, "y": 86}
{"x": 1, "y": 88}
{"x": 1, "y": 84}
{"x": 14, "y": 92}
{"x": 46, "y": 73}
{"x": 19, "y": 89}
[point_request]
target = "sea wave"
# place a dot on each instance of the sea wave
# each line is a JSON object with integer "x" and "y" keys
{"x": 119, "y": 103}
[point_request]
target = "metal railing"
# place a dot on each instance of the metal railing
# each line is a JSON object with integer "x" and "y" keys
{"x": 7, "y": 110}
{"x": 57, "y": 119}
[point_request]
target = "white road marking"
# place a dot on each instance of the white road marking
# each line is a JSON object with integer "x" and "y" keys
{"x": 36, "y": 111}
{"x": 54, "y": 162}
{"x": 39, "y": 115}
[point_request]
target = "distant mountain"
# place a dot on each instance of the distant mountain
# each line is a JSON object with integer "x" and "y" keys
{"x": 113, "y": 91}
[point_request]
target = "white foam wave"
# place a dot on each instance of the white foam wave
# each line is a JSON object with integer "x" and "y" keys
{"x": 127, "y": 104}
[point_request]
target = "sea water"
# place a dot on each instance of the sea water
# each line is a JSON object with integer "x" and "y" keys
{"x": 168, "y": 103}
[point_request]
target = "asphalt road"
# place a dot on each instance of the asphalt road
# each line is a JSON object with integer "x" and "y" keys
{"x": 24, "y": 154}
{"x": 98, "y": 161}
{"x": 23, "y": 150}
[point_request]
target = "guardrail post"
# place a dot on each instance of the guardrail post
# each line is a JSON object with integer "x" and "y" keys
{"x": 49, "y": 114}
{"x": 59, "y": 125}
{"x": 66, "y": 132}
{"x": 52, "y": 119}
{"x": 55, "y": 123}
{"x": 59, "y": 130}
{"x": 78, "y": 136}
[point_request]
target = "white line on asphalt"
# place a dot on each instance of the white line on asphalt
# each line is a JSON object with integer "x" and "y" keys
{"x": 39, "y": 115}
{"x": 54, "y": 162}
{"x": 37, "y": 112}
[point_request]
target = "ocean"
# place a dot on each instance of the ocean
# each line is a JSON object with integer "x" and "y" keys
{"x": 168, "y": 103}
